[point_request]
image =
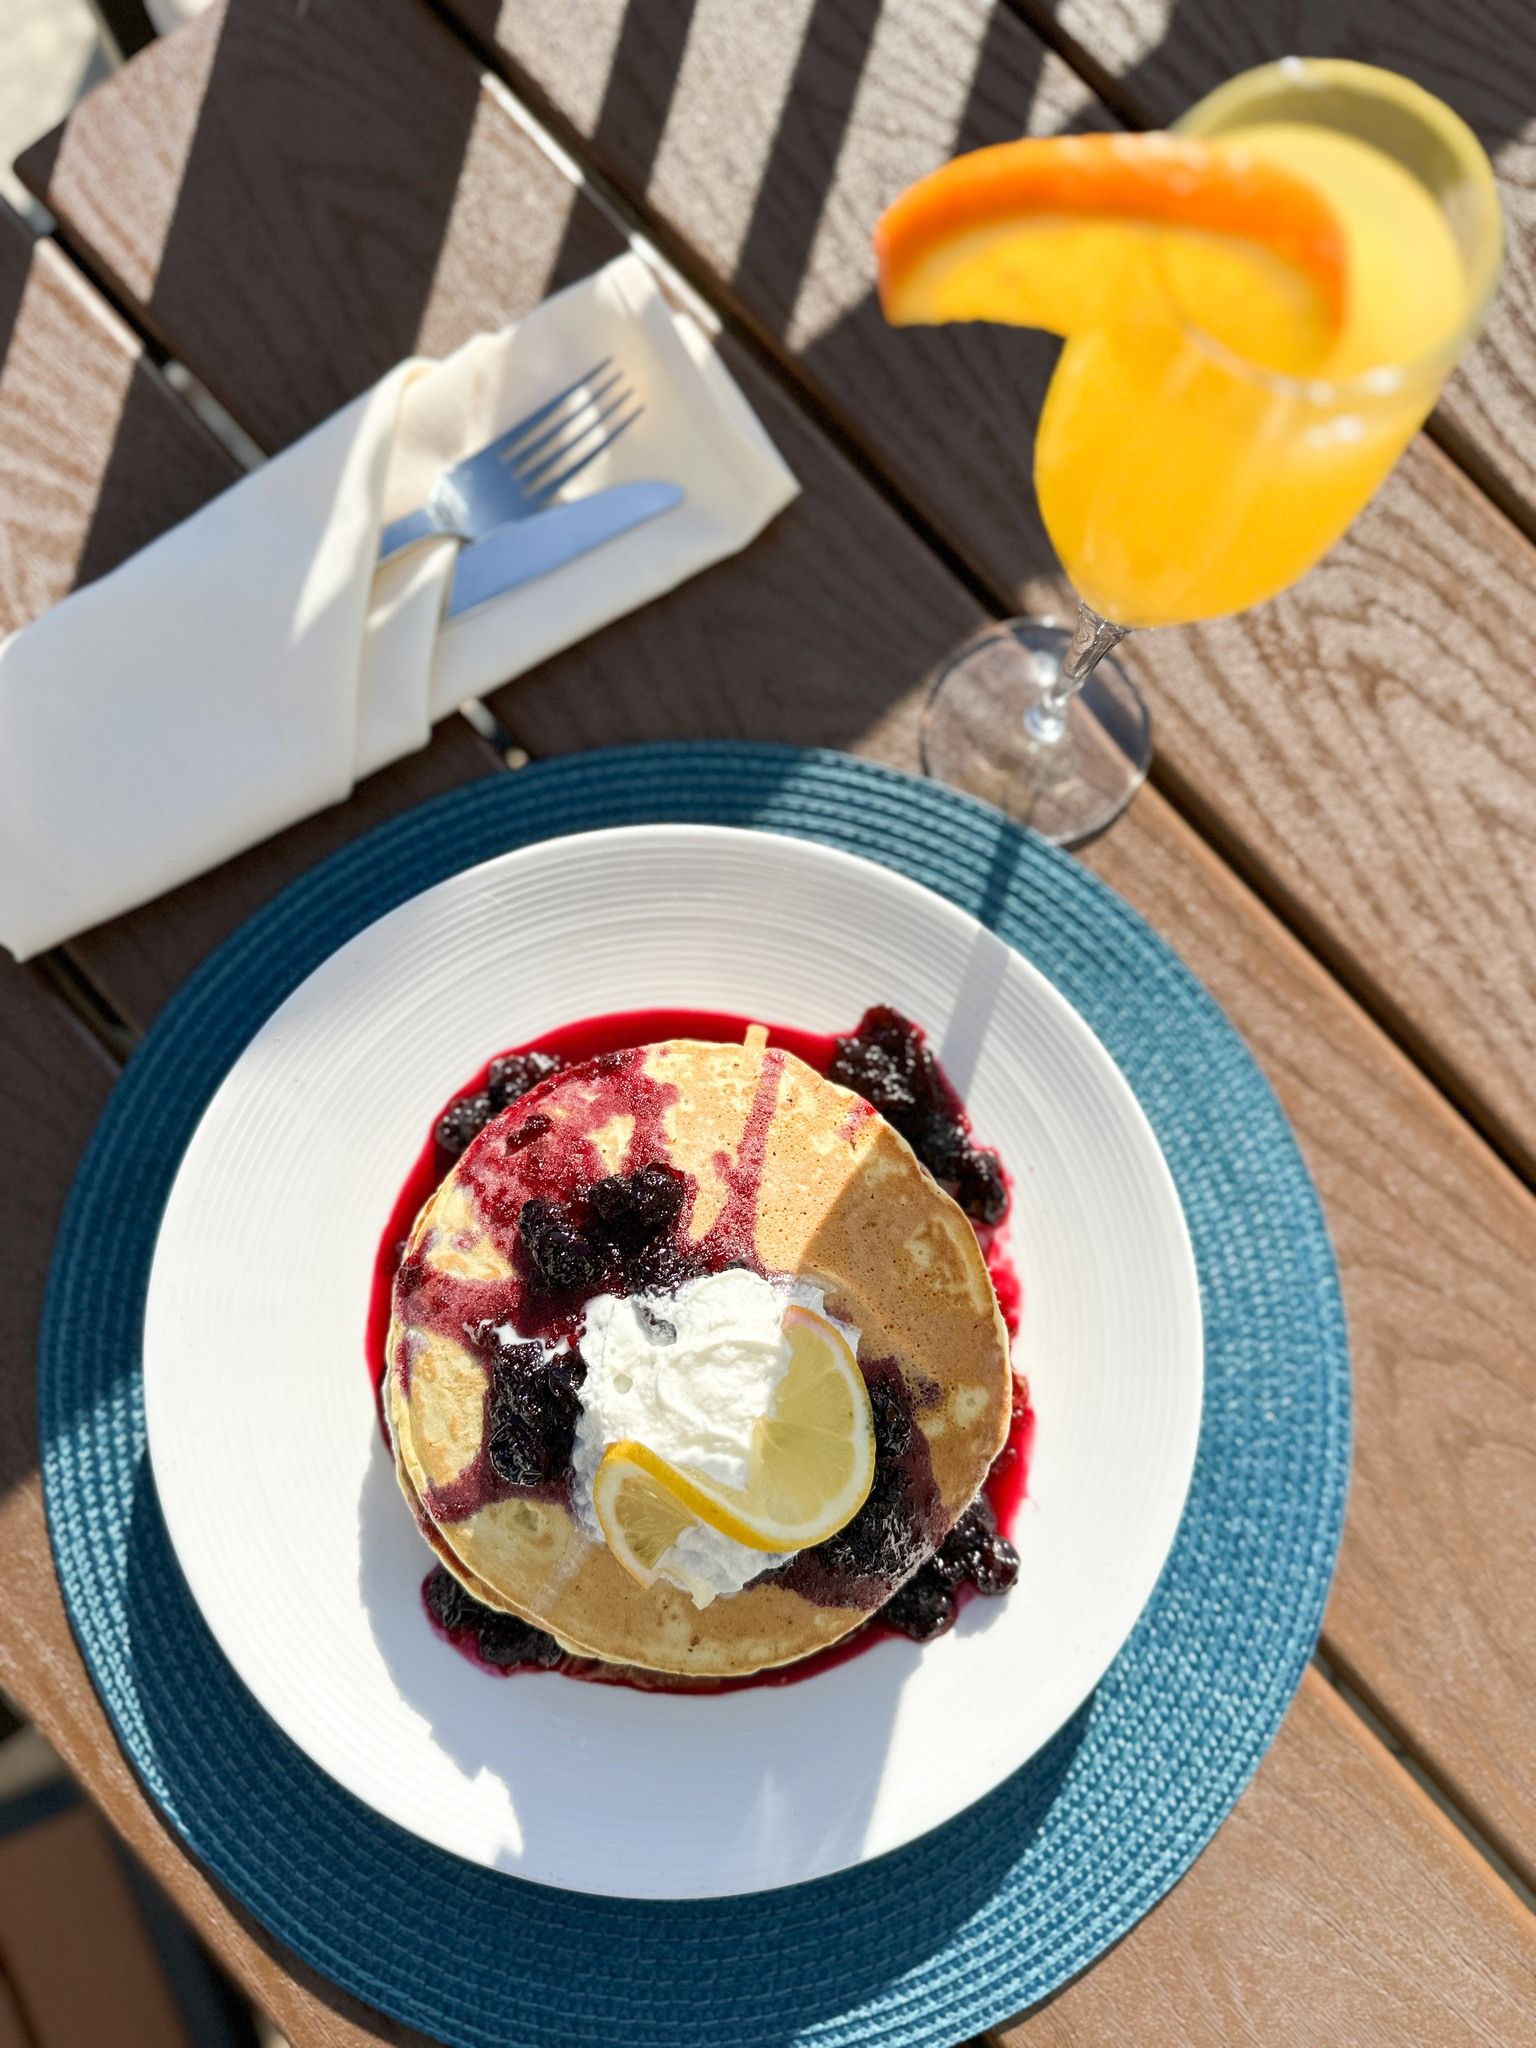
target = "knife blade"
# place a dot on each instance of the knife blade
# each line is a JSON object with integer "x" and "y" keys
{"x": 513, "y": 555}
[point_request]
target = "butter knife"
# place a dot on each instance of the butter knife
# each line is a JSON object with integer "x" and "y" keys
{"x": 512, "y": 555}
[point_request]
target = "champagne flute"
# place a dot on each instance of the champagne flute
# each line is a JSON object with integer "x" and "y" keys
{"x": 1182, "y": 479}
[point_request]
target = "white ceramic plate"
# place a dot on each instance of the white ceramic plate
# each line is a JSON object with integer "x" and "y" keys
{"x": 282, "y": 1503}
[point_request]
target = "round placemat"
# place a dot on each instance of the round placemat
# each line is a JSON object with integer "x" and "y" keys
{"x": 987, "y": 1914}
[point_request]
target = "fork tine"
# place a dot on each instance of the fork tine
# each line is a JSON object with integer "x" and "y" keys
{"x": 518, "y": 459}
{"x": 505, "y": 443}
{"x": 542, "y": 493}
{"x": 532, "y": 478}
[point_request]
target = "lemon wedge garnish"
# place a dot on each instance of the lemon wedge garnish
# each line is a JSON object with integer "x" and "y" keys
{"x": 640, "y": 1518}
{"x": 812, "y": 1464}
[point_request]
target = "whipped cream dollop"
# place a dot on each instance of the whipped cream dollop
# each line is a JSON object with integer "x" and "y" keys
{"x": 689, "y": 1374}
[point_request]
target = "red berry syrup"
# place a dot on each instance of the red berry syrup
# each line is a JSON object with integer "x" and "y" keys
{"x": 925, "y": 1606}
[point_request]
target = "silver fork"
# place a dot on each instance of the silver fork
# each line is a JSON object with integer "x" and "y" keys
{"x": 521, "y": 470}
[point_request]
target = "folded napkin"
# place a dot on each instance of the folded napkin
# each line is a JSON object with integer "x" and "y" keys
{"x": 246, "y": 668}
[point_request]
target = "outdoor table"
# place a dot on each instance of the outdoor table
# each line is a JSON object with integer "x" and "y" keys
{"x": 1339, "y": 837}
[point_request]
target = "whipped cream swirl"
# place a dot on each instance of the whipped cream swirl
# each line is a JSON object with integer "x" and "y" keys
{"x": 689, "y": 1374}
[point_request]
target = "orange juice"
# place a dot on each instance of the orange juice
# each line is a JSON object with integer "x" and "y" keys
{"x": 1180, "y": 478}
{"x": 1257, "y": 311}
{"x": 1198, "y": 454}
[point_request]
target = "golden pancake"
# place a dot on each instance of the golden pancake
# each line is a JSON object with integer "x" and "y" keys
{"x": 778, "y": 1169}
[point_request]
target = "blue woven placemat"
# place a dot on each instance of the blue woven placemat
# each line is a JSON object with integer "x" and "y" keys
{"x": 992, "y": 1911}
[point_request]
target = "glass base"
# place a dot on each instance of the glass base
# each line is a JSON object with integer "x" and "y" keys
{"x": 976, "y": 738}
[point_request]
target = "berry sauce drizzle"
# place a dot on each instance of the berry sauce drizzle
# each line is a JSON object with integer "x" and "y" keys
{"x": 886, "y": 1061}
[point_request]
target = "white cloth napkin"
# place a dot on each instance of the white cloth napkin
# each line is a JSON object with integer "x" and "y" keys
{"x": 249, "y": 666}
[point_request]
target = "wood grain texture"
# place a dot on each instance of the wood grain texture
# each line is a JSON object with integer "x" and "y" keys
{"x": 72, "y": 1939}
{"x": 1433, "y": 1614}
{"x": 1274, "y": 1939}
{"x": 826, "y": 628}
{"x": 56, "y": 1080}
{"x": 14, "y": 2031}
{"x": 287, "y": 200}
{"x": 1372, "y": 746}
{"x": 1160, "y": 56}
{"x": 97, "y": 455}
{"x": 1378, "y": 708}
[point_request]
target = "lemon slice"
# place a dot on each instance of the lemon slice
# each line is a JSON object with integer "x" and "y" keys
{"x": 640, "y": 1517}
{"x": 813, "y": 1461}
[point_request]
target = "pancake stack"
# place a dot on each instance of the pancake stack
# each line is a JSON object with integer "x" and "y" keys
{"x": 777, "y": 1168}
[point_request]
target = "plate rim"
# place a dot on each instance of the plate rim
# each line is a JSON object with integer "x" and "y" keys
{"x": 900, "y": 883}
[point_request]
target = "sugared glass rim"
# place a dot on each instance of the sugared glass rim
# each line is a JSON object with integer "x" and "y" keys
{"x": 1296, "y": 74}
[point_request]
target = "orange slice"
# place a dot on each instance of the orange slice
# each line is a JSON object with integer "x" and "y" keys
{"x": 1056, "y": 233}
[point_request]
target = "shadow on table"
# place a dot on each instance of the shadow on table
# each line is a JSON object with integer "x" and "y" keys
{"x": 979, "y": 387}
{"x": 317, "y": 154}
{"x": 1204, "y": 42}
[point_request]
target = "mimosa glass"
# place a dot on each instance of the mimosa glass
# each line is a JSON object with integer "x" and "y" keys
{"x": 1180, "y": 481}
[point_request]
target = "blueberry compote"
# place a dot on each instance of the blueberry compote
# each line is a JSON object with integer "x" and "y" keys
{"x": 579, "y": 1231}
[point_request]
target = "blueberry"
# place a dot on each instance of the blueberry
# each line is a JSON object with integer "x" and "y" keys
{"x": 634, "y": 1209}
{"x": 660, "y": 1268}
{"x": 608, "y": 1200}
{"x": 888, "y": 1062}
{"x": 517, "y": 1451}
{"x": 973, "y": 1552}
{"x": 531, "y": 1414}
{"x": 892, "y": 1418}
{"x": 450, "y": 1606}
{"x": 508, "y": 1642}
{"x": 897, "y": 1036}
{"x": 881, "y": 1542}
{"x": 981, "y": 1515}
{"x": 979, "y": 1186}
{"x": 922, "y": 1609}
{"x": 561, "y": 1255}
{"x": 462, "y": 1121}
{"x": 516, "y": 1073}
{"x": 996, "y": 1568}
{"x": 940, "y": 1144}
{"x": 871, "y": 1072}
{"x": 658, "y": 1198}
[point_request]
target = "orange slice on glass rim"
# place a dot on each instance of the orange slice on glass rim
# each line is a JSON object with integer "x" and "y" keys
{"x": 1070, "y": 232}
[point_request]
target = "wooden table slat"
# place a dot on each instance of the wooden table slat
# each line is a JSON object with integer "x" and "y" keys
{"x": 871, "y": 612}
{"x": 827, "y": 628}
{"x": 1361, "y": 742}
{"x": 98, "y": 455}
{"x": 1276, "y": 1935}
